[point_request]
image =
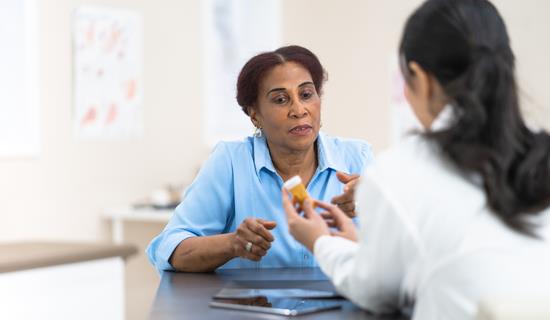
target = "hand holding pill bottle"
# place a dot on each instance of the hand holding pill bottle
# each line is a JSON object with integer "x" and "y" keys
{"x": 295, "y": 186}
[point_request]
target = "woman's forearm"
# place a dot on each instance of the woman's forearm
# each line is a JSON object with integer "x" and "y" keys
{"x": 203, "y": 254}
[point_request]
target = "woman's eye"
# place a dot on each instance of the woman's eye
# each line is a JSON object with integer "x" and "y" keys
{"x": 306, "y": 95}
{"x": 280, "y": 100}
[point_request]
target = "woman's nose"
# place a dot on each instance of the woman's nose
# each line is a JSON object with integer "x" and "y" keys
{"x": 298, "y": 109}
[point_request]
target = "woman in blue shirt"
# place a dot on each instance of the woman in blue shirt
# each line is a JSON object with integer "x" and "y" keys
{"x": 232, "y": 215}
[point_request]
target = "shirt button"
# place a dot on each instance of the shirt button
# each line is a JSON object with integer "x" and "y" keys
{"x": 305, "y": 256}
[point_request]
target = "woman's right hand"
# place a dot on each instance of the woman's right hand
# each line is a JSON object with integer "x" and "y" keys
{"x": 254, "y": 231}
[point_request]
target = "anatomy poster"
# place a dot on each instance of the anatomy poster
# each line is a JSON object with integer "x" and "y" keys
{"x": 108, "y": 82}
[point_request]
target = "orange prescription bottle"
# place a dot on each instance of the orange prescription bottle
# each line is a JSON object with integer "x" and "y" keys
{"x": 295, "y": 186}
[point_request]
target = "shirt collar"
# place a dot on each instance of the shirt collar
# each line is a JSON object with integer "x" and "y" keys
{"x": 327, "y": 155}
{"x": 443, "y": 119}
{"x": 262, "y": 158}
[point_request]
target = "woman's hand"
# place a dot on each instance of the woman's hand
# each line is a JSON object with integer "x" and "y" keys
{"x": 335, "y": 218}
{"x": 252, "y": 238}
{"x": 346, "y": 201}
{"x": 305, "y": 229}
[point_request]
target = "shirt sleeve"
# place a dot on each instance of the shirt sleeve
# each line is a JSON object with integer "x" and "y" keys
{"x": 207, "y": 209}
{"x": 371, "y": 272}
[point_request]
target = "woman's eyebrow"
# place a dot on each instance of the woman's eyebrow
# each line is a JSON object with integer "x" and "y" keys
{"x": 275, "y": 89}
{"x": 283, "y": 89}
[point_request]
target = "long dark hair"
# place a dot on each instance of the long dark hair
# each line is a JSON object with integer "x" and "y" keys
{"x": 464, "y": 44}
{"x": 258, "y": 66}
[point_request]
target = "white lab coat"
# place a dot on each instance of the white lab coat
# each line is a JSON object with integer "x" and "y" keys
{"x": 428, "y": 239}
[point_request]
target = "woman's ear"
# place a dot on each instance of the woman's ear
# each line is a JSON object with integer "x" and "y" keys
{"x": 253, "y": 115}
{"x": 420, "y": 81}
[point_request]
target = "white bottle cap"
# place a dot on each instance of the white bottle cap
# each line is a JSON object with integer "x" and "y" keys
{"x": 292, "y": 182}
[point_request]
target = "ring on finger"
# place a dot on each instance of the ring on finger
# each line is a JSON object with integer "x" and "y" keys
{"x": 248, "y": 246}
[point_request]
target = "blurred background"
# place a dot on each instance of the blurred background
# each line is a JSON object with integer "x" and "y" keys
{"x": 73, "y": 186}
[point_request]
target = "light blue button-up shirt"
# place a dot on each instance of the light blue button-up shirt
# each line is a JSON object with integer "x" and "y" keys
{"x": 238, "y": 181}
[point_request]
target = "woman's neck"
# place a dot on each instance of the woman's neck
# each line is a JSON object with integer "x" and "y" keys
{"x": 292, "y": 163}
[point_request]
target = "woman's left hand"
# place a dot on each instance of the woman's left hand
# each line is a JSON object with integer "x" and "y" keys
{"x": 346, "y": 201}
{"x": 305, "y": 229}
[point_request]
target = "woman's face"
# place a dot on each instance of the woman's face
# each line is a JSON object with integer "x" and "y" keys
{"x": 424, "y": 95}
{"x": 418, "y": 103}
{"x": 288, "y": 108}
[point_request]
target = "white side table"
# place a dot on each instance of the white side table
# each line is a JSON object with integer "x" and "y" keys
{"x": 138, "y": 227}
{"x": 123, "y": 214}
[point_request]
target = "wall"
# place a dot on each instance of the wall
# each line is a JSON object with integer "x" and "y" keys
{"x": 528, "y": 25}
{"x": 60, "y": 194}
{"x": 355, "y": 40}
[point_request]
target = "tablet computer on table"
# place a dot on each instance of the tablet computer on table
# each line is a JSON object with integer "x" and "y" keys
{"x": 232, "y": 293}
{"x": 276, "y": 305}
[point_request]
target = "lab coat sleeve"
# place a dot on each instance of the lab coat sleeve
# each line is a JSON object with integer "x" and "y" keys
{"x": 371, "y": 272}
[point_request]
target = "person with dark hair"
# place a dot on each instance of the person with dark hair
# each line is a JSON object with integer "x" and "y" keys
{"x": 231, "y": 215}
{"x": 460, "y": 212}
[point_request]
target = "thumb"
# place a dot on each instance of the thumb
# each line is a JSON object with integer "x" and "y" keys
{"x": 269, "y": 225}
{"x": 338, "y": 215}
{"x": 344, "y": 177}
{"x": 308, "y": 209}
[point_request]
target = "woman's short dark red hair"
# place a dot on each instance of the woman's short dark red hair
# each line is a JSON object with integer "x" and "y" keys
{"x": 256, "y": 68}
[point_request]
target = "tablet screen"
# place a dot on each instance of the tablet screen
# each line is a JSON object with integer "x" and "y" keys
{"x": 277, "y": 305}
{"x": 234, "y": 293}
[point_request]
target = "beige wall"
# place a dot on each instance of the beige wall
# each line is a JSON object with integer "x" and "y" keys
{"x": 528, "y": 26}
{"x": 355, "y": 40}
{"x": 61, "y": 193}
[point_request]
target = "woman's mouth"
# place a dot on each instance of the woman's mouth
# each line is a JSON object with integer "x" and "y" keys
{"x": 301, "y": 130}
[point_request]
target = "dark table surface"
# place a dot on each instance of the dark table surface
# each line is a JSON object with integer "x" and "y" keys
{"x": 187, "y": 295}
